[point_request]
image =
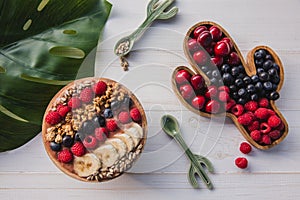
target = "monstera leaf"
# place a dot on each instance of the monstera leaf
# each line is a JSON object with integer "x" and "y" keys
{"x": 42, "y": 46}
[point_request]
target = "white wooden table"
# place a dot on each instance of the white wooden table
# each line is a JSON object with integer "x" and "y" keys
{"x": 161, "y": 173}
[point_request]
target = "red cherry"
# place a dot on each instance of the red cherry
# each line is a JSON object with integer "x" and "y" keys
{"x": 198, "y": 102}
{"x": 201, "y": 57}
{"x": 233, "y": 59}
{"x": 212, "y": 106}
{"x": 197, "y": 82}
{"x": 193, "y": 45}
{"x": 182, "y": 76}
{"x": 212, "y": 91}
{"x": 224, "y": 96}
{"x": 210, "y": 50}
{"x": 222, "y": 49}
{"x": 217, "y": 60}
{"x": 186, "y": 91}
{"x": 228, "y": 41}
{"x": 216, "y": 33}
{"x": 199, "y": 30}
{"x": 224, "y": 88}
{"x": 205, "y": 38}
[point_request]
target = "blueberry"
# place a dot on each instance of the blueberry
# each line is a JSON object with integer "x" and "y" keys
{"x": 274, "y": 87}
{"x": 108, "y": 113}
{"x": 258, "y": 86}
{"x": 264, "y": 76}
{"x": 228, "y": 79}
{"x": 214, "y": 81}
{"x": 215, "y": 73}
{"x": 221, "y": 82}
{"x": 258, "y": 55}
{"x": 233, "y": 88}
{"x": 255, "y": 79}
{"x": 262, "y": 93}
{"x": 267, "y": 65}
{"x": 241, "y": 101}
{"x": 272, "y": 72}
{"x": 259, "y": 62}
{"x": 55, "y": 146}
{"x": 260, "y": 70}
{"x": 67, "y": 141}
{"x": 225, "y": 68}
{"x": 268, "y": 57}
{"x": 250, "y": 88}
{"x": 208, "y": 73}
{"x": 274, "y": 96}
{"x": 235, "y": 95}
{"x": 241, "y": 69}
{"x": 78, "y": 136}
{"x": 239, "y": 83}
{"x": 254, "y": 97}
{"x": 275, "y": 66}
{"x": 235, "y": 71}
{"x": 87, "y": 127}
{"x": 204, "y": 69}
{"x": 99, "y": 121}
{"x": 242, "y": 92}
{"x": 247, "y": 80}
{"x": 241, "y": 76}
{"x": 275, "y": 79}
{"x": 268, "y": 85}
{"x": 262, "y": 52}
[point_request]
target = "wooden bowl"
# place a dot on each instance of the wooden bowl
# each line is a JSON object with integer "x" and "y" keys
{"x": 250, "y": 70}
{"x": 63, "y": 96}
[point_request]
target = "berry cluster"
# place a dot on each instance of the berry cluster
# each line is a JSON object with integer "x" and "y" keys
{"x": 230, "y": 88}
{"x": 100, "y": 124}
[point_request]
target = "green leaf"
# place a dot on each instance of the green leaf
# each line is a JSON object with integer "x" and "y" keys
{"x": 42, "y": 46}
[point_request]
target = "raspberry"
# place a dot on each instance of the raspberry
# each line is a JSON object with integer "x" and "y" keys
{"x": 266, "y": 139}
{"x": 263, "y": 103}
{"x": 63, "y": 110}
{"x": 261, "y": 113}
{"x": 265, "y": 128}
{"x": 281, "y": 126}
{"x": 253, "y": 126}
{"x": 246, "y": 118}
{"x": 78, "y": 149}
{"x": 86, "y": 95}
{"x": 53, "y": 118}
{"x": 245, "y": 148}
{"x": 101, "y": 134}
{"x": 74, "y": 103}
{"x": 224, "y": 96}
{"x": 241, "y": 162}
{"x": 237, "y": 110}
{"x": 274, "y": 135}
{"x": 271, "y": 112}
{"x": 251, "y": 106}
{"x": 229, "y": 104}
{"x": 100, "y": 88}
{"x": 90, "y": 142}
{"x": 224, "y": 88}
{"x": 255, "y": 135}
{"x": 111, "y": 125}
{"x": 135, "y": 114}
{"x": 65, "y": 156}
{"x": 274, "y": 121}
{"x": 124, "y": 117}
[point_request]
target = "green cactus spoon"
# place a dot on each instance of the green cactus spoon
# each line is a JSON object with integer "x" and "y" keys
{"x": 170, "y": 126}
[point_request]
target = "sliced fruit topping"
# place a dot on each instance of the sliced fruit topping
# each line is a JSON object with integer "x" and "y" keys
{"x": 118, "y": 144}
{"x": 126, "y": 139}
{"x": 86, "y": 165}
{"x": 107, "y": 154}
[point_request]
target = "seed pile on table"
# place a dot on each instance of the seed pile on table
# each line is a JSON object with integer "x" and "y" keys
{"x": 95, "y": 130}
{"x": 231, "y": 89}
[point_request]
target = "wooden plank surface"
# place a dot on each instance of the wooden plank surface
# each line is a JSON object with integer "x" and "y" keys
{"x": 27, "y": 172}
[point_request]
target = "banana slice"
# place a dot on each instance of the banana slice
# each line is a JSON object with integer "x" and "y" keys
{"x": 118, "y": 144}
{"x": 135, "y": 132}
{"x": 126, "y": 139}
{"x": 86, "y": 165}
{"x": 107, "y": 154}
